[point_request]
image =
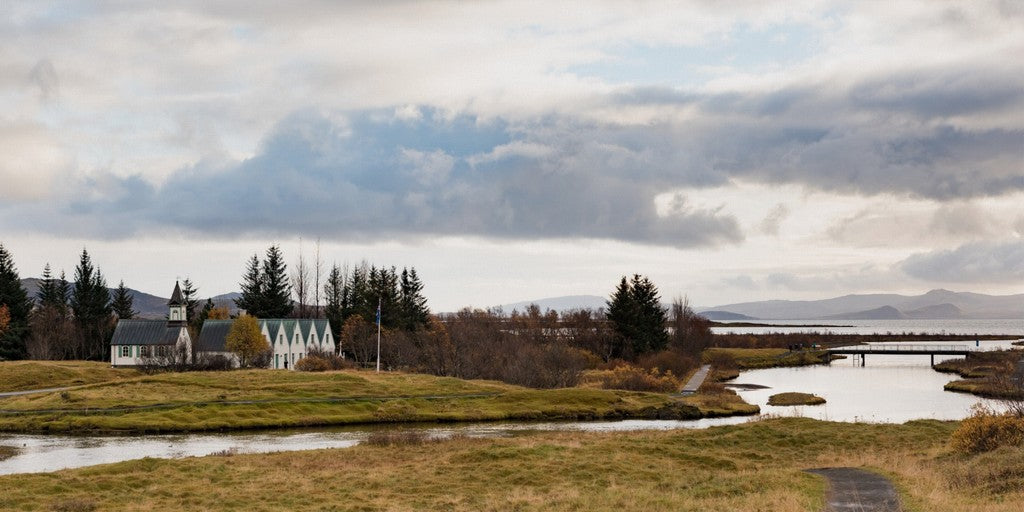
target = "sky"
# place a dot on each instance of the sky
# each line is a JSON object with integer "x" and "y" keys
{"x": 732, "y": 151}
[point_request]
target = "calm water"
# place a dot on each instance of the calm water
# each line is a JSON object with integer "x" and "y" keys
{"x": 970, "y": 327}
{"x": 42, "y": 453}
{"x": 890, "y": 389}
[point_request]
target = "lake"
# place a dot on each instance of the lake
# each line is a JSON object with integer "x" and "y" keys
{"x": 960, "y": 326}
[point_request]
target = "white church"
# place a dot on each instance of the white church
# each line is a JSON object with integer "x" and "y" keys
{"x": 141, "y": 342}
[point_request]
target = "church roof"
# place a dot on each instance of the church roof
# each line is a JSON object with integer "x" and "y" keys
{"x": 144, "y": 332}
{"x": 214, "y": 336}
{"x": 176, "y": 299}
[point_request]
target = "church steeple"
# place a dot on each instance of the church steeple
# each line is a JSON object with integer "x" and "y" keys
{"x": 176, "y": 316}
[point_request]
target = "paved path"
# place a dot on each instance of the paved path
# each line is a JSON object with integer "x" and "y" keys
{"x": 30, "y": 392}
{"x": 852, "y": 489}
{"x": 695, "y": 382}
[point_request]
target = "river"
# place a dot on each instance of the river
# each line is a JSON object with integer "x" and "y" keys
{"x": 889, "y": 389}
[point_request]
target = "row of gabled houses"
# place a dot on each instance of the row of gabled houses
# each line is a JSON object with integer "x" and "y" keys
{"x": 146, "y": 342}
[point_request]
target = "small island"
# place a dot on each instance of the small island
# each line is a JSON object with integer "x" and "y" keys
{"x": 795, "y": 399}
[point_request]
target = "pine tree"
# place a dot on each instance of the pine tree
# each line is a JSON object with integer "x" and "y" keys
{"x": 47, "y": 294}
{"x": 622, "y": 313}
{"x": 252, "y": 289}
{"x": 18, "y": 305}
{"x": 190, "y": 294}
{"x": 651, "y": 334}
{"x": 334, "y": 294}
{"x": 413, "y": 304}
{"x": 276, "y": 290}
{"x": 123, "y": 303}
{"x": 90, "y": 302}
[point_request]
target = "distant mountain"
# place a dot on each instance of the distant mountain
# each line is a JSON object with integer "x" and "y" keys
{"x": 559, "y": 303}
{"x": 148, "y": 306}
{"x": 936, "y": 304}
{"x": 725, "y": 316}
{"x": 938, "y": 311}
{"x": 882, "y": 313}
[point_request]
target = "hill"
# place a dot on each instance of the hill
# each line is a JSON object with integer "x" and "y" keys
{"x": 148, "y": 305}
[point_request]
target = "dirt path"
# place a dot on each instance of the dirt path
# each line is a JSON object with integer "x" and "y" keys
{"x": 695, "y": 382}
{"x": 852, "y": 489}
{"x": 30, "y": 392}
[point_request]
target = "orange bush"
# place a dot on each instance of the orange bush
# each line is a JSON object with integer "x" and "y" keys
{"x": 987, "y": 430}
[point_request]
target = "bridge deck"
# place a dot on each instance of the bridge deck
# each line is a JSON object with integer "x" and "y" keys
{"x": 904, "y": 349}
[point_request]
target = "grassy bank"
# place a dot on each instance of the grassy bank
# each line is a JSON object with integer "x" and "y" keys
{"x": 24, "y": 375}
{"x": 757, "y": 466}
{"x": 795, "y": 399}
{"x": 265, "y": 399}
{"x": 753, "y": 358}
{"x": 7, "y": 452}
{"x": 985, "y": 374}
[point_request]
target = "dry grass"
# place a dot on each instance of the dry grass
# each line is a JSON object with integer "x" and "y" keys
{"x": 795, "y": 399}
{"x": 24, "y": 375}
{"x": 266, "y": 398}
{"x": 7, "y": 452}
{"x": 756, "y": 466}
{"x": 750, "y": 358}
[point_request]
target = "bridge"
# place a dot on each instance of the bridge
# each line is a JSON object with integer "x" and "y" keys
{"x": 901, "y": 349}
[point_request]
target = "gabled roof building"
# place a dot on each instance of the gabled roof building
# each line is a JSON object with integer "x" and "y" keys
{"x": 137, "y": 342}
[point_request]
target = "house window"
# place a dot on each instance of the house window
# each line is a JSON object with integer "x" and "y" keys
{"x": 143, "y": 351}
{"x": 126, "y": 350}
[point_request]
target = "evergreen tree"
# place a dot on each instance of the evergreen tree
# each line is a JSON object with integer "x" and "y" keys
{"x": 637, "y": 318}
{"x": 190, "y": 294}
{"x": 252, "y": 289}
{"x": 412, "y": 303}
{"x": 204, "y": 314}
{"x": 277, "y": 291}
{"x": 622, "y": 312}
{"x": 18, "y": 306}
{"x": 48, "y": 292}
{"x": 90, "y": 302}
{"x": 651, "y": 334}
{"x": 63, "y": 293}
{"x": 334, "y": 293}
{"x": 123, "y": 303}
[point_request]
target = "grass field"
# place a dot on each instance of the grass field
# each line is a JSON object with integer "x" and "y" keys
{"x": 263, "y": 399}
{"x": 23, "y": 375}
{"x": 751, "y": 358}
{"x": 755, "y": 466}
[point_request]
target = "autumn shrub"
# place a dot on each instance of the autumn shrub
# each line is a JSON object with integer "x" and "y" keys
{"x": 312, "y": 364}
{"x": 634, "y": 378}
{"x": 668, "y": 361}
{"x": 987, "y": 430}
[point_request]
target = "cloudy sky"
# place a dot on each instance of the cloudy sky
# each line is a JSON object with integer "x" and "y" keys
{"x": 518, "y": 150}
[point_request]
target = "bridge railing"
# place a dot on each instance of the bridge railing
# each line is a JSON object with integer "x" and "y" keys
{"x": 904, "y": 347}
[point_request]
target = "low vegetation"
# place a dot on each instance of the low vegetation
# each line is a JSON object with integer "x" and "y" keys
{"x": 194, "y": 401}
{"x": 25, "y": 375}
{"x": 751, "y": 358}
{"x": 755, "y": 466}
{"x": 784, "y": 399}
{"x": 987, "y": 430}
{"x": 7, "y": 452}
{"x": 987, "y": 374}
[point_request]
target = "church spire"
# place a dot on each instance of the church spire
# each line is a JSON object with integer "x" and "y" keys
{"x": 176, "y": 299}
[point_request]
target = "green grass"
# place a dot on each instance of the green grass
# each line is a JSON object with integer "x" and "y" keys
{"x": 752, "y": 358}
{"x": 25, "y": 375}
{"x": 755, "y": 466}
{"x": 264, "y": 399}
{"x": 795, "y": 399}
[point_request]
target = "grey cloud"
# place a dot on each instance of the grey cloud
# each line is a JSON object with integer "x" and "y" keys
{"x": 375, "y": 176}
{"x": 772, "y": 221}
{"x": 976, "y": 262}
{"x": 962, "y": 221}
{"x": 44, "y": 77}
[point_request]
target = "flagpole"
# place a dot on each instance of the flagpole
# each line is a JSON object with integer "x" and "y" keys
{"x": 378, "y": 334}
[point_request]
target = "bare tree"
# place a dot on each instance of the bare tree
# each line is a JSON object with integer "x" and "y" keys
{"x": 300, "y": 283}
{"x": 318, "y": 270}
